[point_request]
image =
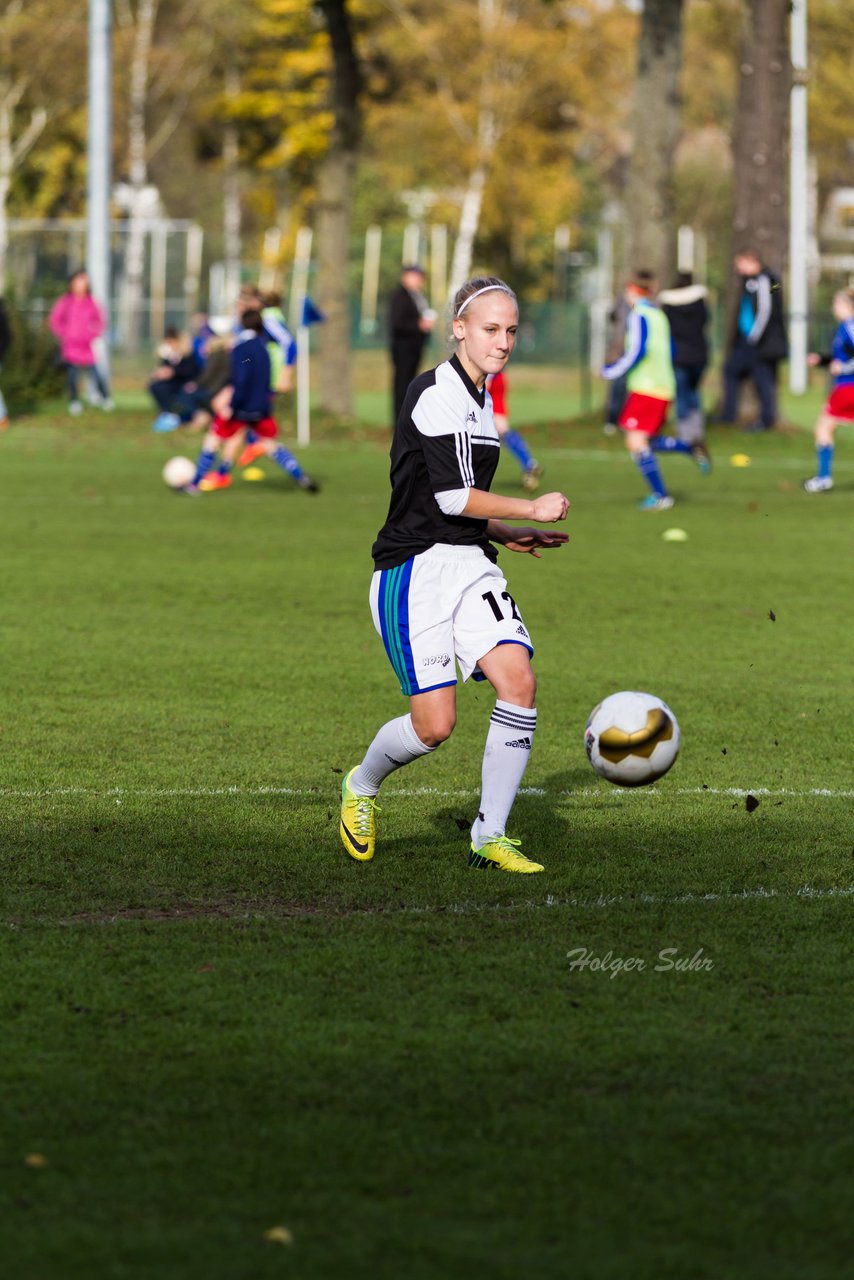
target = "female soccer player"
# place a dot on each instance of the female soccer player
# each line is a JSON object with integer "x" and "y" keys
{"x": 437, "y": 594}
{"x": 840, "y": 404}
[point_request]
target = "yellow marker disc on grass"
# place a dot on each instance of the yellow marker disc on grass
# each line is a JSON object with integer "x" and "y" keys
{"x": 739, "y": 460}
{"x": 279, "y": 1235}
{"x": 254, "y": 473}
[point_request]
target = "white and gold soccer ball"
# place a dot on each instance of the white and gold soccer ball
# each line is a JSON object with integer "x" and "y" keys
{"x": 632, "y": 738}
{"x": 178, "y": 472}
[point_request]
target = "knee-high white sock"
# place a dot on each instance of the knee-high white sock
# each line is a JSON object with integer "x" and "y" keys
{"x": 395, "y": 745}
{"x": 505, "y": 758}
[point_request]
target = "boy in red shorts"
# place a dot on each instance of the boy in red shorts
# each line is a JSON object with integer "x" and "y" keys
{"x": 647, "y": 365}
{"x": 840, "y": 404}
{"x": 249, "y": 407}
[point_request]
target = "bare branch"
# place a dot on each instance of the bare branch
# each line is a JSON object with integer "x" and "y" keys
{"x": 445, "y": 93}
{"x": 170, "y": 123}
{"x": 27, "y": 139}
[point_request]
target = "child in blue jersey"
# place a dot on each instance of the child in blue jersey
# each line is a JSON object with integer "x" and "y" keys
{"x": 247, "y": 407}
{"x": 839, "y": 406}
{"x": 281, "y": 348}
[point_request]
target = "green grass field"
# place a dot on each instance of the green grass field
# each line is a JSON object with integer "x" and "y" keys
{"x": 216, "y": 1025}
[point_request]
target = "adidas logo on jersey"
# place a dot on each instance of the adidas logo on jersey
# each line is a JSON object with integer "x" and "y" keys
{"x": 472, "y": 416}
{"x": 520, "y": 631}
{"x": 525, "y": 743}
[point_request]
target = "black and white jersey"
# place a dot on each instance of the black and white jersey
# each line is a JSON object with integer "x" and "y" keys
{"x": 445, "y": 439}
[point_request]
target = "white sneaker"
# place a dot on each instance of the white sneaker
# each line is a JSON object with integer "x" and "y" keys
{"x": 75, "y": 408}
{"x": 818, "y": 484}
{"x": 107, "y": 404}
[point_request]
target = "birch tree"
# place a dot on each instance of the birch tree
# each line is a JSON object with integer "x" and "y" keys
{"x": 482, "y": 72}
{"x": 30, "y": 36}
{"x": 160, "y": 81}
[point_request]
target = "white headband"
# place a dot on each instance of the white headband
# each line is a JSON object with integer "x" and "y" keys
{"x": 487, "y": 288}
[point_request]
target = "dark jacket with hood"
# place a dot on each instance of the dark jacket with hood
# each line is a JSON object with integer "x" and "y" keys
{"x": 688, "y": 313}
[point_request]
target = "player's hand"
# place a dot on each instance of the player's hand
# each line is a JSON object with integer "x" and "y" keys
{"x": 813, "y": 359}
{"x": 533, "y": 541}
{"x": 835, "y": 367}
{"x": 550, "y": 507}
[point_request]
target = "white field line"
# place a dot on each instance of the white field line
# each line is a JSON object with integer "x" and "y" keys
{"x": 609, "y": 793}
{"x": 602, "y": 901}
{"x": 758, "y": 894}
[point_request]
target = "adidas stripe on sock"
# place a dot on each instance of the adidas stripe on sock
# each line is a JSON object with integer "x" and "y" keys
{"x": 505, "y": 758}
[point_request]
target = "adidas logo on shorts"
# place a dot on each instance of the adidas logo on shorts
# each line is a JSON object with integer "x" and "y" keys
{"x": 525, "y": 743}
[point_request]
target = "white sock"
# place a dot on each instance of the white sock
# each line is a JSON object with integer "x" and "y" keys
{"x": 505, "y": 758}
{"x": 395, "y": 745}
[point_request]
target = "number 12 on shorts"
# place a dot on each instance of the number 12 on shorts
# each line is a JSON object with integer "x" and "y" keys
{"x": 498, "y": 612}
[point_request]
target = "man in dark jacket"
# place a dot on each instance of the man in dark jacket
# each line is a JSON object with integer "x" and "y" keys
{"x": 410, "y": 321}
{"x": 686, "y": 308}
{"x": 759, "y": 342}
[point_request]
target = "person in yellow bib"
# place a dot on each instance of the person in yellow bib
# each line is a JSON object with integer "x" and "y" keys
{"x": 647, "y": 365}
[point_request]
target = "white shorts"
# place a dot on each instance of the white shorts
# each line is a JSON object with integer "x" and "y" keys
{"x": 444, "y": 603}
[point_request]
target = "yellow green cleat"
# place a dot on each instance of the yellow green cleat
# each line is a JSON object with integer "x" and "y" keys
{"x": 503, "y": 853}
{"x": 358, "y": 826}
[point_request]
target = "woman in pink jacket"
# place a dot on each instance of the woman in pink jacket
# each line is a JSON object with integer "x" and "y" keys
{"x": 77, "y": 320}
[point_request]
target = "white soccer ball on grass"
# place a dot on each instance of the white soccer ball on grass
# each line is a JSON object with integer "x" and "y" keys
{"x": 178, "y": 472}
{"x": 632, "y": 738}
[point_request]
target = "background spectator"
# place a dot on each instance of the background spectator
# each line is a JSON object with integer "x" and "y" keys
{"x": 759, "y": 340}
{"x": 174, "y": 381}
{"x": 76, "y": 319}
{"x": 410, "y": 321}
{"x": 686, "y": 308}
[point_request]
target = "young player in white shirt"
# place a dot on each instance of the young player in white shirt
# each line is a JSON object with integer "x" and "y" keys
{"x": 437, "y": 594}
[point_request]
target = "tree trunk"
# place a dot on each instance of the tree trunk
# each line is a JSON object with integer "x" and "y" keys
{"x": 334, "y": 213}
{"x": 5, "y": 185}
{"x": 651, "y": 233}
{"x": 487, "y": 139}
{"x": 335, "y": 198}
{"x": 473, "y": 199}
{"x": 467, "y": 229}
{"x": 760, "y": 139}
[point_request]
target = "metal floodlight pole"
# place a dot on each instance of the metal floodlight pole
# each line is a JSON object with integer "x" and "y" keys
{"x": 98, "y": 159}
{"x": 798, "y": 203}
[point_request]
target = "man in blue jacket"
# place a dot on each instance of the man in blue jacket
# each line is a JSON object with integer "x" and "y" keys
{"x": 759, "y": 342}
